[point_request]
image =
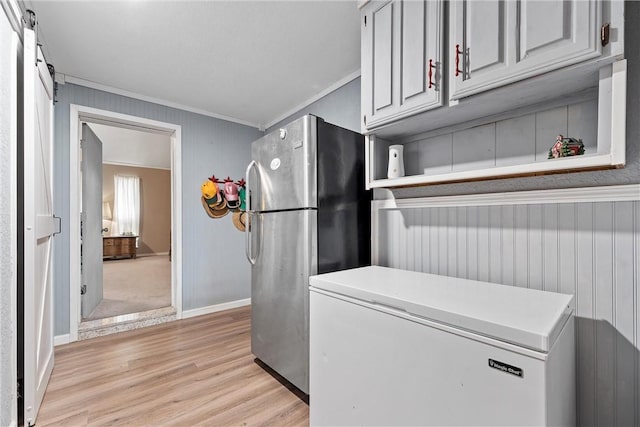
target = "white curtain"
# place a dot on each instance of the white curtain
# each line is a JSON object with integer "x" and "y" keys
{"x": 126, "y": 205}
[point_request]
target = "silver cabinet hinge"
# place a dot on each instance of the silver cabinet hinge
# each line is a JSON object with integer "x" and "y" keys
{"x": 604, "y": 34}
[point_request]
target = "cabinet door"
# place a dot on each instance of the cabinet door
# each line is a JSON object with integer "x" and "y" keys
{"x": 494, "y": 43}
{"x": 421, "y": 64}
{"x": 400, "y": 40}
{"x": 379, "y": 50}
{"x": 553, "y": 34}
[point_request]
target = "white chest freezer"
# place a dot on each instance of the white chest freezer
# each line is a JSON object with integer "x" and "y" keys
{"x": 392, "y": 347}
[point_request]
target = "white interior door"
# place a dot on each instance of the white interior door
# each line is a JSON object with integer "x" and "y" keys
{"x": 40, "y": 226}
{"x": 91, "y": 267}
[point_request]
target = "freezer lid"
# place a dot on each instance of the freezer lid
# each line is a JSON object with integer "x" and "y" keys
{"x": 284, "y": 175}
{"x": 525, "y": 317}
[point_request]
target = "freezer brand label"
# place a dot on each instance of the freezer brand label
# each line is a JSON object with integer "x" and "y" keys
{"x": 275, "y": 163}
{"x": 505, "y": 367}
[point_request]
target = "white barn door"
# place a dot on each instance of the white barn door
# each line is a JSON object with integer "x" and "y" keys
{"x": 39, "y": 227}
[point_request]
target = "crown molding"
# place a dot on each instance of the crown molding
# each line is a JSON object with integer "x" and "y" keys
{"x": 66, "y": 78}
{"x": 343, "y": 81}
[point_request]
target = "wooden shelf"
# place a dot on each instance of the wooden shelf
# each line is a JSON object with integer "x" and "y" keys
{"x": 606, "y": 148}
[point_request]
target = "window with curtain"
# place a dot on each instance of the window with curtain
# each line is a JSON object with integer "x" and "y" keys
{"x": 126, "y": 205}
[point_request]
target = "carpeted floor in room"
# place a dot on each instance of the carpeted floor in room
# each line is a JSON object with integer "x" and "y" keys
{"x": 134, "y": 285}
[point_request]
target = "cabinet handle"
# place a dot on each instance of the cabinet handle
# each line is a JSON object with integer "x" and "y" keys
{"x": 458, "y": 52}
{"x": 431, "y": 67}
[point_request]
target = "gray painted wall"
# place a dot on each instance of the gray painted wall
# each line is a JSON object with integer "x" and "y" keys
{"x": 340, "y": 107}
{"x": 590, "y": 250}
{"x": 214, "y": 266}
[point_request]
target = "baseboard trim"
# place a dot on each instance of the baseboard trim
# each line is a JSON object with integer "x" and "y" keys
{"x": 152, "y": 254}
{"x": 215, "y": 308}
{"x": 61, "y": 339}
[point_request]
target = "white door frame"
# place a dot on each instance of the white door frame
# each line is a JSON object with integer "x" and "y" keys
{"x": 79, "y": 114}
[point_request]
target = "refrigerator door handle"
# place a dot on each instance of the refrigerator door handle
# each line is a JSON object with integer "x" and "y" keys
{"x": 252, "y": 165}
{"x": 249, "y": 238}
{"x": 247, "y": 229}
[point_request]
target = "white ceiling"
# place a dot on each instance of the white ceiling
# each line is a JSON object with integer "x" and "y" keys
{"x": 133, "y": 147}
{"x": 252, "y": 61}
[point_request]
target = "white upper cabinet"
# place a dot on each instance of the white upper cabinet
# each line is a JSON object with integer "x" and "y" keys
{"x": 495, "y": 43}
{"x": 378, "y": 40}
{"x": 401, "y": 59}
{"x": 516, "y": 73}
{"x": 421, "y": 55}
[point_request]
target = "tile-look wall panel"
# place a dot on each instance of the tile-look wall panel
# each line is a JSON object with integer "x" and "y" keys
{"x": 584, "y": 310}
{"x": 534, "y": 241}
{"x": 461, "y": 243}
{"x": 495, "y": 244}
{"x": 623, "y": 303}
{"x": 521, "y": 246}
{"x": 452, "y": 242}
{"x": 472, "y": 243}
{"x": 508, "y": 257}
{"x": 483, "y": 243}
{"x": 591, "y": 250}
{"x": 550, "y": 248}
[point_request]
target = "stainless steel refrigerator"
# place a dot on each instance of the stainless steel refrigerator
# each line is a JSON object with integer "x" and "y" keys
{"x": 308, "y": 213}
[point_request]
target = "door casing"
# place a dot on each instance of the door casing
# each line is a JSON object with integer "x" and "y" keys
{"x": 79, "y": 114}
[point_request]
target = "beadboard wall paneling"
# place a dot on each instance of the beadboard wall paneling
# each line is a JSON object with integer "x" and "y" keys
{"x": 214, "y": 269}
{"x": 589, "y": 249}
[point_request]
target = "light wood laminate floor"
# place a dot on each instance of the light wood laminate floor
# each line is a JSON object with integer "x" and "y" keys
{"x": 193, "y": 372}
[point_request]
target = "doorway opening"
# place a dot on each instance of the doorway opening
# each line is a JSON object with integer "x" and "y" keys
{"x": 128, "y": 190}
{"x": 126, "y": 235}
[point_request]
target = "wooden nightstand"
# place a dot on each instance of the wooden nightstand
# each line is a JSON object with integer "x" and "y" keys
{"x": 115, "y": 246}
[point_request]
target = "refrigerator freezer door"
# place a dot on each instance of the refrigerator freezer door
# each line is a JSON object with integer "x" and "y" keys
{"x": 285, "y": 175}
{"x": 287, "y": 250}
